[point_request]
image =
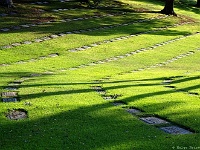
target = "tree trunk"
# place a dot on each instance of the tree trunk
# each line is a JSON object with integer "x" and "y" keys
{"x": 198, "y": 3}
{"x": 169, "y": 8}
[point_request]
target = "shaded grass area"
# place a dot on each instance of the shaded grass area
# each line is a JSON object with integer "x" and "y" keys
{"x": 66, "y": 113}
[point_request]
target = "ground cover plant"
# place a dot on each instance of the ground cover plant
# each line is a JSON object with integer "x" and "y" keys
{"x": 116, "y": 76}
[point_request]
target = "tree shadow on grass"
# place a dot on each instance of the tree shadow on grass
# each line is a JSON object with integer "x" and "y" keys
{"x": 93, "y": 126}
{"x": 88, "y": 127}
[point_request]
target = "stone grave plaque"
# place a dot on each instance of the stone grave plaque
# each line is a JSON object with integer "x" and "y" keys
{"x": 62, "y": 34}
{"x": 97, "y": 87}
{"x": 153, "y": 120}
{"x": 38, "y": 40}
{"x": 175, "y": 130}
{"x": 80, "y": 49}
{"x": 3, "y": 14}
{"x": 94, "y": 44}
{"x": 14, "y": 84}
{"x": 11, "y": 88}
{"x": 133, "y": 111}
{"x": 35, "y": 75}
{"x": 53, "y": 36}
{"x": 17, "y": 114}
{"x": 9, "y": 100}
{"x": 53, "y": 55}
{"x": 110, "y": 97}
{"x": 7, "y": 46}
{"x": 16, "y": 44}
{"x": 68, "y": 32}
{"x": 9, "y": 94}
{"x": 118, "y": 103}
{"x": 5, "y": 29}
{"x": 167, "y": 81}
{"x": 101, "y": 91}
{"x": 27, "y": 42}
{"x": 25, "y": 26}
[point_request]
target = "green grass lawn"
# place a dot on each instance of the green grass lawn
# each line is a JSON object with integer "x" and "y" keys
{"x": 65, "y": 112}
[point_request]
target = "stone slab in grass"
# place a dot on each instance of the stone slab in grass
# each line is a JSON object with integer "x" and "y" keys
{"x": 16, "y": 28}
{"x": 18, "y": 81}
{"x": 133, "y": 111}
{"x": 54, "y": 36}
{"x": 9, "y": 94}
{"x": 38, "y": 40}
{"x": 175, "y": 130}
{"x": 14, "y": 84}
{"x": 153, "y": 120}
{"x": 101, "y": 91}
{"x": 11, "y": 88}
{"x": 97, "y": 87}
{"x": 5, "y": 29}
{"x": 17, "y": 114}
{"x": 53, "y": 55}
{"x": 27, "y": 42}
{"x": 3, "y": 14}
{"x": 119, "y": 103}
{"x": 25, "y": 26}
{"x": 35, "y": 75}
{"x": 16, "y": 44}
{"x": 167, "y": 81}
{"x": 110, "y": 97}
{"x": 6, "y": 100}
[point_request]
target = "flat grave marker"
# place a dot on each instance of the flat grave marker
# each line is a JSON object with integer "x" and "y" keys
{"x": 17, "y": 114}
{"x": 9, "y": 100}
{"x": 9, "y": 94}
{"x": 153, "y": 120}
{"x": 133, "y": 111}
{"x": 175, "y": 130}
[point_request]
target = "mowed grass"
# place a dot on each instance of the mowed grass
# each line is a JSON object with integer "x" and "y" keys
{"x": 64, "y": 112}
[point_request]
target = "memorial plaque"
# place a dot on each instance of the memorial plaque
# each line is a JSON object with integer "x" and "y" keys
{"x": 53, "y": 55}
{"x": 5, "y": 29}
{"x": 17, "y": 114}
{"x": 9, "y": 99}
{"x": 16, "y": 27}
{"x": 16, "y": 44}
{"x": 133, "y": 111}
{"x": 9, "y": 94}
{"x": 101, "y": 91}
{"x": 25, "y": 26}
{"x": 62, "y": 34}
{"x": 175, "y": 130}
{"x": 80, "y": 49}
{"x": 94, "y": 44}
{"x": 68, "y": 32}
{"x": 118, "y": 103}
{"x": 153, "y": 120}
{"x": 3, "y": 14}
{"x": 11, "y": 88}
{"x": 35, "y": 75}
{"x": 167, "y": 81}
{"x": 38, "y": 40}
{"x": 53, "y": 36}
{"x": 97, "y": 87}
{"x": 110, "y": 97}
{"x": 7, "y": 46}
{"x": 27, "y": 42}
